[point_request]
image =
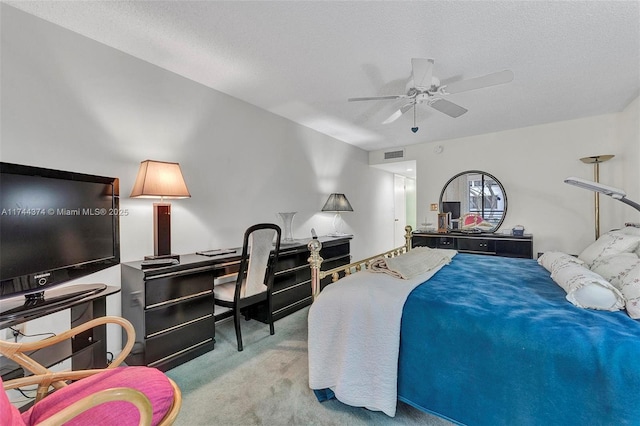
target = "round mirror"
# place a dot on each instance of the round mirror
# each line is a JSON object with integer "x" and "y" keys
{"x": 475, "y": 200}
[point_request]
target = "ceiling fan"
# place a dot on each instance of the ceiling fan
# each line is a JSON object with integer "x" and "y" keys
{"x": 423, "y": 87}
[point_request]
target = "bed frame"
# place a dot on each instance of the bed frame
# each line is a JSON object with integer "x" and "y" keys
{"x": 315, "y": 260}
{"x": 532, "y": 358}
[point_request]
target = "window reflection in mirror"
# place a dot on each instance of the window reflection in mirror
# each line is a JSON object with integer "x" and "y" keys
{"x": 476, "y": 200}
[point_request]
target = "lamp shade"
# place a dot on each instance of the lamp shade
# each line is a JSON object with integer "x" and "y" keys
{"x": 596, "y": 186}
{"x": 337, "y": 203}
{"x": 615, "y": 193}
{"x": 159, "y": 179}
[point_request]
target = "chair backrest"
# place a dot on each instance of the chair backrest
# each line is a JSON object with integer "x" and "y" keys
{"x": 256, "y": 267}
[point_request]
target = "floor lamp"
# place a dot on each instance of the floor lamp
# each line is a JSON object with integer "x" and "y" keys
{"x": 596, "y": 160}
{"x": 615, "y": 193}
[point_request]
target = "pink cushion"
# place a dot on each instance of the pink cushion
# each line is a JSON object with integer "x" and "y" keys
{"x": 150, "y": 381}
{"x": 9, "y": 415}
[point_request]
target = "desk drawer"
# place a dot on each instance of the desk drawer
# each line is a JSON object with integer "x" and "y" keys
{"x": 167, "y": 289}
{"x": 167, "y": 317}
{"x": 174, "y": 342}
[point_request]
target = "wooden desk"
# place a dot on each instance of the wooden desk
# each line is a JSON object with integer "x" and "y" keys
{"x": 172, "y": 310}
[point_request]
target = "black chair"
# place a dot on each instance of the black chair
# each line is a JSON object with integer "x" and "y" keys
{"x": 255, "y": 276}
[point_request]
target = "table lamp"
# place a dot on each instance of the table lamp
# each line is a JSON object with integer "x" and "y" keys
{"x": 159, "y": 179}
{"x": 337, "y": 203}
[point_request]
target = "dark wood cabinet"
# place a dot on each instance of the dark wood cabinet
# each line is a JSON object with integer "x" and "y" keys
{"x": 487, "y": 244}
{"x": 292, "y": 280}
{"x": 172, "y": 310}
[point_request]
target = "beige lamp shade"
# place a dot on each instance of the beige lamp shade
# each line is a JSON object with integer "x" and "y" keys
{"x": 159, "y": 179}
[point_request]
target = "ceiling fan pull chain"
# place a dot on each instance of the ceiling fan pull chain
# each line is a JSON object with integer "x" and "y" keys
{"x": 414, "y": 129}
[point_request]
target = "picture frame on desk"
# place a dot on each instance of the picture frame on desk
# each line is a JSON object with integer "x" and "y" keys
{"x": 444, "y": 221}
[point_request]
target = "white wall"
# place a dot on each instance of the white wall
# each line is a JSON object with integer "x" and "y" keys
{"x": 532, "y": 164}
{"x": 628, "y": 144}
{"x": 71, "y": 103}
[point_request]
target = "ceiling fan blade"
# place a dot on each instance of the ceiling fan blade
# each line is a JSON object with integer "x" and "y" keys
{"x": 493, "y": 79}
{"x": 376, "y": 98}
{"x": 393, "y": 117}
{"x": 447, "y": 107}
{"x": 421, "y": 72}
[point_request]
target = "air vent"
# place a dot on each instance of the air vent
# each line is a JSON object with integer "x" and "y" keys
{"x": 394, "y": 154}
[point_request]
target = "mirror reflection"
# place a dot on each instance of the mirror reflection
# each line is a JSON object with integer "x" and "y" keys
{"x": 475, "y": 200}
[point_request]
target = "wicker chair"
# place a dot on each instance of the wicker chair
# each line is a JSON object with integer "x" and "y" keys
{"x": 96, "y": 396}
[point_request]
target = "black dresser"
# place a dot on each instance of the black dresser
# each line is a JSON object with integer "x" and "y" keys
{"x": 488, "y": 244}
{"x": 172, "y": 311}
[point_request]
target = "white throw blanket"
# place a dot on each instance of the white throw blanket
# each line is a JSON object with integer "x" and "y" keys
{"x": 411, "y": 264}
{"x": 354, "y": 337}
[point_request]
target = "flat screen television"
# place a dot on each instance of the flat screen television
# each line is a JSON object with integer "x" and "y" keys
{"x": 452, "y": 207}
{"x": 55, "y": 226}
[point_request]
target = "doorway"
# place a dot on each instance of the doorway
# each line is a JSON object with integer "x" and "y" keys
{"x": 404, "y": 191}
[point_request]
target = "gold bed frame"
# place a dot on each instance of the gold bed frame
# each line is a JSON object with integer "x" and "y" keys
{"x": 315, "y": 261}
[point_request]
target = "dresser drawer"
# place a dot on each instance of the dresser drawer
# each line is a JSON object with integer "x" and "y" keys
{"x": 445, "y": 242}
{"x": 172, "y": 288}
{"x": 168, "y": 317}
{"x": 420, "y": 241}
{"x": 286, "y": 279}
{"x": 332, "y": 252}
{"x": 174, "y": 342}
{"x": 515, "y": 248}
{"x": 291, "y": 295}
{"x": 287, "y": 261}
{"x": 475, "y": 244}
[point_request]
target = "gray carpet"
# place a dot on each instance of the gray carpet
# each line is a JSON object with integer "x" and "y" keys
{"x": 267, "y": 383}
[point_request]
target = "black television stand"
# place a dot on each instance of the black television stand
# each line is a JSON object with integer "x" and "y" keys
{"x": 85, "y": 302}
{"x": 34, "y": 297}
{"x": 46, "y": 300}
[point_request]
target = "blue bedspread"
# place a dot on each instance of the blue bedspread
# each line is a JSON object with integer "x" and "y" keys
{"x": 493, "y": 341}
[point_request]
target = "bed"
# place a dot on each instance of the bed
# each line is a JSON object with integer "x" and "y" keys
{"x": 482, "y": 340}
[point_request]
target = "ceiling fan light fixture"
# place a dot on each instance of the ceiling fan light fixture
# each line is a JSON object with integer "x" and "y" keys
{"x": 418, "y": 92}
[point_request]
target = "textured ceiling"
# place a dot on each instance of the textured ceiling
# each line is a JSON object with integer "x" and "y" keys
{"x": 303, "y": 59}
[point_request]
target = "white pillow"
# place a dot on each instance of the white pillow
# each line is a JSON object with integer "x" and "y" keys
{"x": 586, "y": 289}
{"x": 609, "y": 244}
{"x": 632, "y": 230}
{"x": 623, "y": 272}
{"x": 630, "y": 288}
{"x": 615, "y": 268}
{"x": 552, "y": 260}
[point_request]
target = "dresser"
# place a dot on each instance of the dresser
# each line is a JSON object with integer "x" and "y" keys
{"x": 292, "y": 280}
{"x": 487, "y": 244}
{"x": 172, "y": 310}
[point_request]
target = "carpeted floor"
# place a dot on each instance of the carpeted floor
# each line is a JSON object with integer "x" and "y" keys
{"x": 267, "y": 383}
